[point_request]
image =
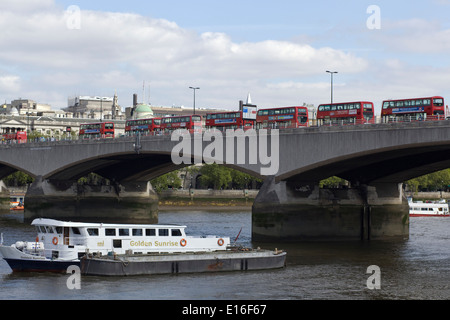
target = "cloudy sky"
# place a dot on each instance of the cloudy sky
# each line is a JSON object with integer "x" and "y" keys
{"x": 278, "y": 51}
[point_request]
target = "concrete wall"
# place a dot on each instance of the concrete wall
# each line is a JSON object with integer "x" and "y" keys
{"x": 199, "y": 193}
{"x": 126, "y": 203}
{"x": 282, "y": 212}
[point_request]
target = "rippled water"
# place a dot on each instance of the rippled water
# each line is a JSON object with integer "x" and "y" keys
{"x": 417, "y": 268}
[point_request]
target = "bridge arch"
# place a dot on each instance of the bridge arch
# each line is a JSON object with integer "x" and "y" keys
{"x": 7, "y": 168}
{"x": 391, "y": 164}
{"x": 128, "y": 166}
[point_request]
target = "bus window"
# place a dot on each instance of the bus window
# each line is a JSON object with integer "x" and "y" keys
{"x": 438, "y": 102}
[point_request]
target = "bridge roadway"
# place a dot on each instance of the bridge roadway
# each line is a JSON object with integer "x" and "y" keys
{"x": 375, "y": 158}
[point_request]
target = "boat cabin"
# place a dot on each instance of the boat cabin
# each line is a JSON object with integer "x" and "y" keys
{"x": 419, "y": 208}
{"x": 73, "y": 239}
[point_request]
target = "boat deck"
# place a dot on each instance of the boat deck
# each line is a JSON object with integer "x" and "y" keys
{"x": 147, "y": 264}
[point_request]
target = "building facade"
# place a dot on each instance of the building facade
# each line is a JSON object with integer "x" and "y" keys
{"x": 94, "y": 107}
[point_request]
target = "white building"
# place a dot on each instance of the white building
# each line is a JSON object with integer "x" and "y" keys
{"x": 94, "y": 107}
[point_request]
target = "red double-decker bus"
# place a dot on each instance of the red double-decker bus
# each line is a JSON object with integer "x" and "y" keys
{"x": 430, "y": 108}
{"x": 228, "y": 120}
{"x": 144, "y": 126}
{"x": 345, "y": 113}
{"x": 96, "y": 130}
{"x": 193, "y": 123}
{"x": 14, "y": 137}
{"x": 281, "y": 118}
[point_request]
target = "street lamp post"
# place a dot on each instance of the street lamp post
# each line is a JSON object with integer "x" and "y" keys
{"x": 331, "y": 73}
{"x": 194, "y": 88}
{"x": 101, "y": 108}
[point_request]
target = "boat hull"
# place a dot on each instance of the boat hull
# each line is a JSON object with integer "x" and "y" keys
{"x": 182, "y": 263}
{"x": 25, "y": 265}
{"x": 22, "y": 262}
{"x": 428, "y": 215}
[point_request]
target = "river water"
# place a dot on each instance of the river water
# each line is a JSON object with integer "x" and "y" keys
{"x": 416, "y": 268}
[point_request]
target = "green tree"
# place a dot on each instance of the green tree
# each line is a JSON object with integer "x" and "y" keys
{"x": 241, "y": 180}
{"x": 332, "y": 182}
{"x": 216, "y": 176}
{"x": 435, "y": 181}
{"x": 166, "y": 181}
{"x": 94, "y": 180}
{"x": 17, "y": 179}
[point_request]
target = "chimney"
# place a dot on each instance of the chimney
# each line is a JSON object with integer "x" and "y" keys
{"x": 135, "y": 100}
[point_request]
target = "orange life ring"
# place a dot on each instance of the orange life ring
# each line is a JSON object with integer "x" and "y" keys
{"x": 55, "y": 241}
{"x": 183, "y": 242}
{"x": 220, "y": 242}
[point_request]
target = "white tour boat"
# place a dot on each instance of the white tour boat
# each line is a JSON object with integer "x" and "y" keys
{"x": 428, "y": 209}
{"x": 60, "y": 244}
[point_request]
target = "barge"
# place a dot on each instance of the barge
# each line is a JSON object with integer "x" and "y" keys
{"x": 60, "y": 244}
{"x": 233, "y": 259}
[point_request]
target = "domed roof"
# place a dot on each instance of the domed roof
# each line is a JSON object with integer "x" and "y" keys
{"x": 13, "y": 111}
{"x": 143, "y": 110}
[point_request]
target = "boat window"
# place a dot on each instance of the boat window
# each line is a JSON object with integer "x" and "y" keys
{"x": 163, "y": 232}
{"x": 137, "y": 232}
{"x": 110, "y": 232}
{"x": 117, "y": 243}
{"x": 124, "y": 232}
{"x": 75, "y": 230}
{"x": 49, "y": 229}
{"x": 59, "y": 230}
{"x": 41, "y": 229}
{"x": 92, "y": 231}
{"x": 150, "y": 232}
{"x": 176, "y": 233}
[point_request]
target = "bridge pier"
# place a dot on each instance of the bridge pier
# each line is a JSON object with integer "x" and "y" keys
{"x": 133, "y": 202}
{"x": 289, "y": 211}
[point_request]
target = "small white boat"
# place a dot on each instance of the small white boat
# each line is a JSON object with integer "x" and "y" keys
{"x": 60, "y": 244}
{"x": 428, "y": 209}
{"x": 16, "y": 202}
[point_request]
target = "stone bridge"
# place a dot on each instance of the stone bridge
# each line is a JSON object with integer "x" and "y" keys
{"x": 374, "y": 158}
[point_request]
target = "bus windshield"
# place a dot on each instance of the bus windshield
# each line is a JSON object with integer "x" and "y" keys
{"x": 439, "y": 102}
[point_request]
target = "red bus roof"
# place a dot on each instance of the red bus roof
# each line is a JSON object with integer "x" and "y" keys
{"x": 429, "y": 97}
{"x": 278, "y": 108}
{"x": 97, "y": 123}
{"x": 336, "y": 103}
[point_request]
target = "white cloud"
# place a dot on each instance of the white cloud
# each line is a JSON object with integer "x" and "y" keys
{"x": 24, "y": 6}
{"x": 111, "y": 50}
{"x": 415, "y": 36}
{"x": 49, "y": 61}
{"x": 9, "y": 83}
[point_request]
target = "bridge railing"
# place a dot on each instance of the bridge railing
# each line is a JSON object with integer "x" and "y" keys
{"x": 413, "y": 118}
{"x": 281, "y": 126}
